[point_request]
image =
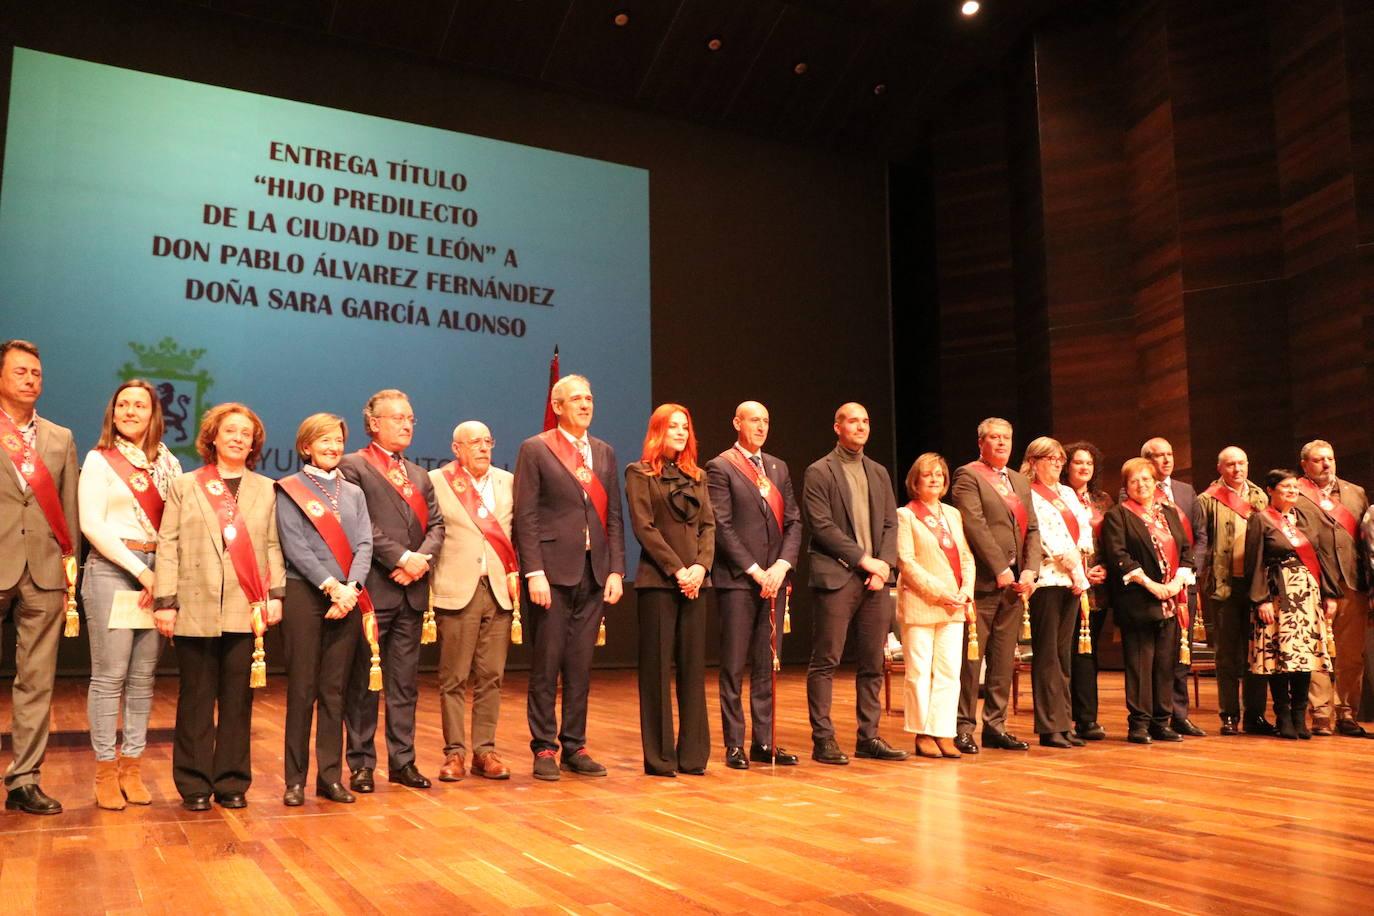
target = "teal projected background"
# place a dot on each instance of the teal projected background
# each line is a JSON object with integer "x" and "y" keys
{"x": 232, "y": 246}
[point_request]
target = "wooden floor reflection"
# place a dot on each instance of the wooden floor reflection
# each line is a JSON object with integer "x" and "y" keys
{"x": 1214, "y": 825}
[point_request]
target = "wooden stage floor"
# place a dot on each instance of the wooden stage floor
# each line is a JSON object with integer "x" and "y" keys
{"x": 1215, "y": 825}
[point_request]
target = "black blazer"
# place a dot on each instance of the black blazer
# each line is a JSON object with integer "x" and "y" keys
{"x": 1265, "y": 544}
{"x": 746, "y": 530}
{"x": 990, "y": 528}
{"x": 669, "y": 544}
{"x": 834, "y": 552}
{"x": 395, "y": 529}
{"x": 554, "y": 518}
{"x": 1126, "y": 546}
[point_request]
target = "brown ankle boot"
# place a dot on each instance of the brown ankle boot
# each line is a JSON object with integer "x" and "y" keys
{"x": 131, "y": 782}
{"x": 107, "y": 794}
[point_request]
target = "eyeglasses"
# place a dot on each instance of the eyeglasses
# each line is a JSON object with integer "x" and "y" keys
{"x": 1052, "y": 459}
{"x": 400, "y": 418}
{"x": 488, "y": 441}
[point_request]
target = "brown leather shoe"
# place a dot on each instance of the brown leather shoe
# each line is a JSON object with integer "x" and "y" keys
{"x": 453, "y": 768}
{"x": 489, "y": 765}
{"x": 947, "y": 748}
{"x": 1321, "y": 725}
{"x": 926, "y": 747}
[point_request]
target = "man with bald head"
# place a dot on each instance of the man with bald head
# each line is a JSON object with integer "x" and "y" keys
{"x": 758, "y": 537}
{"x": 474, "y": 582}
{"x": 848, "y": 502}
{"x": 1338, "y": 505}
{"x": 1227, "y": 507}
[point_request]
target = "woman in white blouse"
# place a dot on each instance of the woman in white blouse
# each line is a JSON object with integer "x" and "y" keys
{"x": 123, "y": 483}
{"x": 934, "y": 599}
{"x": 1066, "y": 537}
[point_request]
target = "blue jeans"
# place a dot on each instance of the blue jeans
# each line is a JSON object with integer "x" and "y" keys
{"x": 122, "y": 661}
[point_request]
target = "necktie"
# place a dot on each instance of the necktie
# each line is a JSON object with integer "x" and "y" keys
{"x": 758, "y": 462}
{"x": 585, "y": 451}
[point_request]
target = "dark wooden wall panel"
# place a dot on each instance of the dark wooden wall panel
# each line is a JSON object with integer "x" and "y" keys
{"x": 1359, "y": 64}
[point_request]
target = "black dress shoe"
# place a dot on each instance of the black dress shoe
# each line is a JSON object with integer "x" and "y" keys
{"x": 1350, "y": 728}
{"x": 1186, "y": 727}
{"x": 334, "y": 791}
{"x": 1259, "y": 726}
{"x": 196, "y": 802}
{"x": 1090, "y": 731}
{"x": 1074, "y": 739}
{"x": 1139, "y": 736}
{"x": 735, "y": 759}
{"x": 1004, "y": 741}
{"x": 293, "y": 797}
{"x": 1054, "y": 739}
{"x": 827, "y": 750}
{"x": 1229, "y": 726}
{"x": 965, "y": 743}
{"x": 666, "y": 774}
{"x": 762, "y": 753}
{"x": 361, "y": 781}
{"x": 32, "y": 800}
{"x": 878, "y": 749}
{"x": 231, "y": 800}
{"x": 1164, "y": 733}
{"x": 693, "y": 771}
{"x": 409, "y": 776}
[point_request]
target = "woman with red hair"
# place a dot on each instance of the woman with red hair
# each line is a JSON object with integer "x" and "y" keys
{"x": 671, "y": 517}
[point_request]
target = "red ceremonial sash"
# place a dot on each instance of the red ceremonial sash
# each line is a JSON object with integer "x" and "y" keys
{"x": 1228, "y": 498}
{"x": 39, "y": 481}
{"x": 945, "y": 537}
{"x": 1166, "y": 549}
{"x": 380, "y": 460}
{"x": 327, "y": 526}
{"x": 1334, "y": 508}
{"x": 571, "y": 458}
{"x": 1183, "y": 522}
{"x": 237, "y": 542}
{"x": 769, "y": 492}
{"x": 1301, "y": 545}
{"x": 139, "y": 482}
{"x": 1055, "y": 499}
{"x": 489, "y": 526}
{"x": 1013, "y": 502}
{"x": 1094, "y": 513}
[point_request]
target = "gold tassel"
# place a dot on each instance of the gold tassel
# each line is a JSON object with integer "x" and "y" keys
{"x": 1185, "y": 654}
{"x": 601, "y": 633}
{"x": 517, "y": 632}
{"x": 374, "y": 673}
{"x": 429, "y": 629}
{"x": 973, "y": 650}
{"x": 1025, "y": 616}
{"x": 257, "y": 673}
{"x": 787, "y": 611}
{"x": 1330, "y": 639}
{"x": 777, "y": 665}
{"x": 72, "y": 626}
{"x": 1085, "y": 633}
{"x": 1199, "y": 628}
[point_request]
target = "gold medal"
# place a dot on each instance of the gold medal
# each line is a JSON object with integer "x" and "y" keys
{"x": 27, "y": 468}
{"x": 396, "y": 477}
{"x": 583, "y": 475}
{"x": 230, "y": 532}
{"x": 1328, "y": 505}
{"x": 1003, "y": 488}
{"x": 459, "y": 486}
{"x": 215, "y": 488}
{"x": 139, "y": 481}
{"x": 315, "y": 508}
{"x": 407, "y": 490}
{"x": 12, "y": 443}
{"x": 764, "y": 487}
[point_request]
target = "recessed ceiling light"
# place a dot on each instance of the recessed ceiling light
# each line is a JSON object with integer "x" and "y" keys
{"x": 714, "y": 44}
{"x": 622, "y": 19}
{"x": 800, "y": 68}
{"x": 970, "y": 7}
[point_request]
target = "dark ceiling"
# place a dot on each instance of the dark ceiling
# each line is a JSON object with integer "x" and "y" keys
{"x": 862, "y": 75}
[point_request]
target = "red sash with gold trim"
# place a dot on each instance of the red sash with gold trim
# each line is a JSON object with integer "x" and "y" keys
{"x": 1009, "y": 497}
{"x": 770, "y": 493}
{"x": 1301, "y": 545}
{"x": 139, "y": 482}
{"x": 940, "y": 529}
{"x": 1334, "y": 508}
{"x": 1183, "y": 522}
{"x": 395, "y": 476}
{"x": 237, "y": 543}
{"x": 1094, "y": 513}
{"x": 1228, "y": 498}
{"x": 1056, "y": 500}
{"x": 329, "y": 528}
{"x": 486, "y": 523}
{"x": 1166, "y": 551}
{"x": 35, "y": 472}
{"x": 568, "y": 455}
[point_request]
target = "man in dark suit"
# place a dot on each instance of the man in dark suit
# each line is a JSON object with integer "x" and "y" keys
{"x": 850, "y": 508}
{"x": 407, "y": 532}
{"x": 37, "y": 472}
{"x": 999, "y": 523}
{"x": 758, "y": 537}
{"x": 569, "y": 537}
{"x": 1182, "y": 497}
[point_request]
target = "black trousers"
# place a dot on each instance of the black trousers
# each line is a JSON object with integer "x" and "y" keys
{"x": 1150, "y": 653}
{"x": 871, "y": 614}
{"x": 319, "y": 660}
{"x": 398, "y": 631}
{"x": 562, "y": 637}
{"x": 1083, "y": 673}
{"x": 999, "y": 629}
{"x": 1054, "y": 612}
{"x": 1237, "y": 688}
{"x": 211, "y": 749}
{"x": 672, "y": 633}
{"x": 744, "y": 640}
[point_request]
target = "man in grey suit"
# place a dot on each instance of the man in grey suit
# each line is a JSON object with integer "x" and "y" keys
{"x": 849, "y": 506}
{"x": 758, "y": 537}
{"x": 407, "y": 533}
{"x": 999, "y": 523}
{"x": 33, "y": 581}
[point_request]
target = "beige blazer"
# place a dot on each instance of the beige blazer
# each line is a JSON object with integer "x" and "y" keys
{"x": 26, "y": 538}
{"x": 460, "y": 560}
{"x": 195, "y": 574}
{"x": 924, "y": 575}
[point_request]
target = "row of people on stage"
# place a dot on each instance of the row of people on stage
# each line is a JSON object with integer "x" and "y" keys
{"x": 362, "y": 557}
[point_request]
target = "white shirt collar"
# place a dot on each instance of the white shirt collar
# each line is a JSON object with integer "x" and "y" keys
{"x": 323, "y": 475}
{"x": 748, "y": 454}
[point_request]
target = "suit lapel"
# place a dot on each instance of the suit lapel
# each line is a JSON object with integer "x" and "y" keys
{"x": 750, "y": 485}
{"x": 207, "y": 512}
{"x": 396, "y": 499}
{"x": 842, "y": 485}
